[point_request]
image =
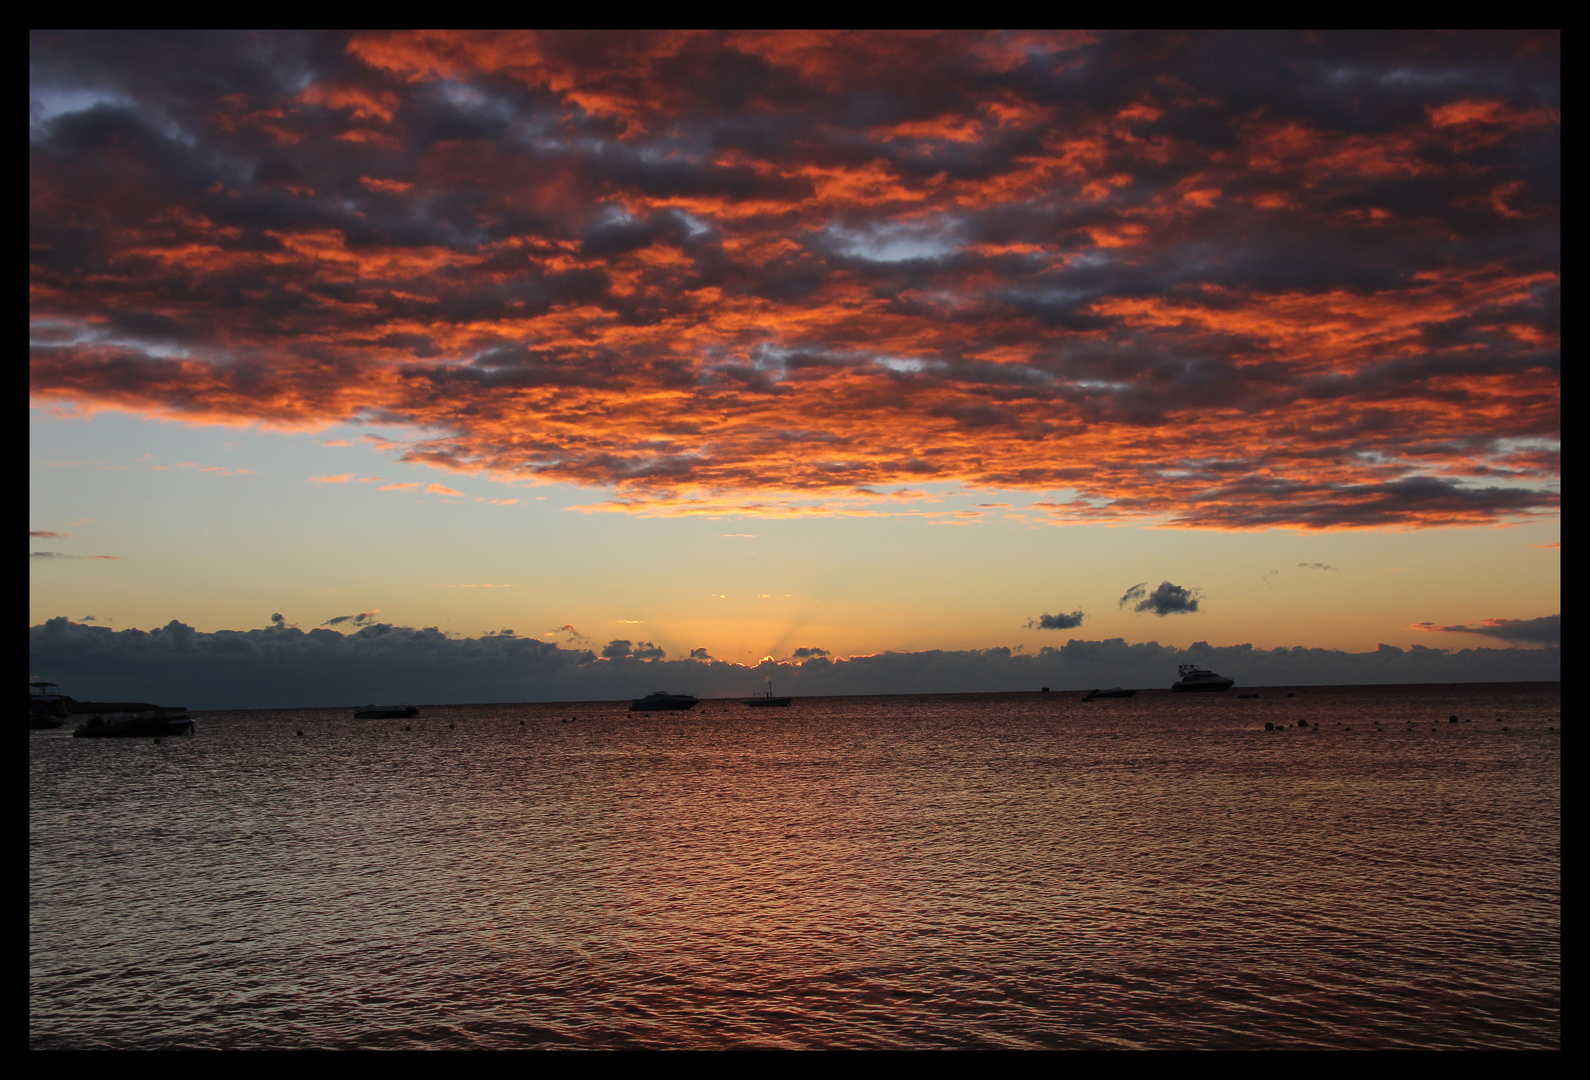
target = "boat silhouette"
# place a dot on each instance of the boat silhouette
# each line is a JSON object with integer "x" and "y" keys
{"x": 386, "y": 712}
{"x": 1194, "y": 678}
{"x": 765, "y": 699}
{"x": 1114, "y": 691}
{"x": 662, "y": 701}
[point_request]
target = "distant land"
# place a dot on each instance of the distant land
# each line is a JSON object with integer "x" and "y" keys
{"x": 284, "y": 667}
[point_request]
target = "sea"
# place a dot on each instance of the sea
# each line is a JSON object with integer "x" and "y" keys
{"x": 1341, "y": 867}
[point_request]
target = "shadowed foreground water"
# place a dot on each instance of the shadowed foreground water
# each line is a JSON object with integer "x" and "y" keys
{"x": 1003, "y": 870}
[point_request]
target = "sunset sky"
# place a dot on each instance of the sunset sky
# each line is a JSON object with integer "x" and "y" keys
{"x": 757, "y": 342}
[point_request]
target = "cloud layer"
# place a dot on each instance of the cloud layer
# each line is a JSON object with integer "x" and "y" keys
{"x": 1227, "y": 280}
{"x": 1543, "y": 631}
{"x": 281, "y": 666}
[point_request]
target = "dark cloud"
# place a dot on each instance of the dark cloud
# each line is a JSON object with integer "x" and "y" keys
{"x": 1168, "y": 599}
{"x": 700, "y": 654}
{"x": 286, "y": 667}
{"x": 1546, "y": 630}
{"x": 804, "y": 653}
{"x": 623, "y": 649}
{"x": 45, "y": 534}
{"x": 1056, "y": 622}
{"x": 1316, "y": 566}
{"x": 363, "y": 618}
{"x": 1315, "y": 275}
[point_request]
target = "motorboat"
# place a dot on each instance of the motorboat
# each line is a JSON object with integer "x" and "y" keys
{"x": 1194, "y": 678}
{"x": 153, "y": 724}
{"x": 766, "y": 699}
{"x": 386, "y": 712}
{"x": 46, "y": 709}
{"x": 104, "y": 719}
{"x": 1114, "y": 691}
{"x": 662, "y": 701}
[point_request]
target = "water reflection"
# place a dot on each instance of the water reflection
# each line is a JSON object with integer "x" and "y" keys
{"x": 1001, "y": 870}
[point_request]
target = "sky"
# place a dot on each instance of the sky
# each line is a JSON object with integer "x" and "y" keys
{"x": 746, "y": 345}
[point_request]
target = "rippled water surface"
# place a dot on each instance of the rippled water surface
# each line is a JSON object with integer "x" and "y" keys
{"x": 1002, "y": 870}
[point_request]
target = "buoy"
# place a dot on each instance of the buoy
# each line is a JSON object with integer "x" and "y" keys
{"x": 300, "y": 734}
{"x": 521, "y": 723}
{"x": 1269, "y": 726}
{"x": 449, "y": 727}
{"x": 1451, "y": 719}
{"x": 157, "y": 740}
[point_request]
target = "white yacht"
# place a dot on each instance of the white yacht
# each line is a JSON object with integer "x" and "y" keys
{"x": 1195, "y": 678}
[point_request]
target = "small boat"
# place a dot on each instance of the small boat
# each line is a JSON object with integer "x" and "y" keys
{"x": 1114, "y": 691}
{"x": 46, "y": 709}
{"x": 386, "y": 712}
{"x": 662, "y": 701}
{"x": 160, "y": 722}
{"x": 1194, "y": 678}
{"x": 764, "y": 700}
{"x": 105, "y": 719}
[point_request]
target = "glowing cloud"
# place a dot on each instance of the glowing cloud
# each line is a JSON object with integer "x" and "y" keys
{"x": 1208, "y": 280}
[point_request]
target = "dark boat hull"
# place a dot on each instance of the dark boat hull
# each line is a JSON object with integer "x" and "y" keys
{"x": 661, "y": 705}
{"x": 768, "y": 702}
{"x": 142, "y": 728}
{"x": 387, "y": 714}
{"x": 1201, "y": 688}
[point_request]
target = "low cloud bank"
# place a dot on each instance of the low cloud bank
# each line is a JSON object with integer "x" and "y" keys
{"x": 282, "y": 667}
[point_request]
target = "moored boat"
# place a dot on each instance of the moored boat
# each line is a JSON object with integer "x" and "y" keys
{"x": 662, "y": 701}
{"x": 105, "y": 719}
{"x": 386, "y": 712}
{"x": 149, "y": 725}
{"x": 1114, "y": 691}
{"x": 46, "y": 709}
{"x": 1194, "y": 678}
{"x": 764, "y": 700}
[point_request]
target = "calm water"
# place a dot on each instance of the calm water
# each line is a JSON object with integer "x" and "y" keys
{"x": 1006, "y": 870}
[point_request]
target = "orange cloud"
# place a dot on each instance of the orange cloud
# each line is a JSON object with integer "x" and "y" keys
{"x": 775, "y": 274}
